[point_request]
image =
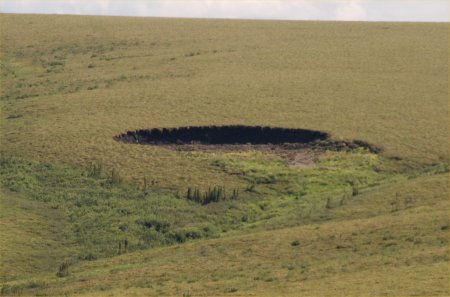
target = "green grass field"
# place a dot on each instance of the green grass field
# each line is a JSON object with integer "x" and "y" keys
{"x": 352, "y": 223}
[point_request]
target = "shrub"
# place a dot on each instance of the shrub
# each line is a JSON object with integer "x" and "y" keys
{"x": 295, "y": 243}
{"x": 179, "y": 237}
{"x": 250, "y": 188}
{"x": 11, "y": 290}
{"x": 88, "y": 257}
{"x": 231, "y": 290}
{"x": 95, "y": 170}
{"x": 63, "y": 270}
{"x": 159, "y": 226}
{"x": 145, "y": 185}
{"x": 214, "y": 194}
{"x": 123, "y": 227}
{"x": 115, "y": 177}
{"x": 123, "y": 246}
{"x": 235, "y": 194}
{"x": 182, "y": 235}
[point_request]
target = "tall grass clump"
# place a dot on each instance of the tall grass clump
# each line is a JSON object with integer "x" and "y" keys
{"x": 211, "y": 195}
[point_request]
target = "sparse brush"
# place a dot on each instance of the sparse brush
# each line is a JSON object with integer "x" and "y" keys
{"x": 212, "y": 195}
{"x": 250, "y": 187}
{"x": 95, "y": 170}
{"x": 115, "y": 178}
{"x": 63, "y": 270}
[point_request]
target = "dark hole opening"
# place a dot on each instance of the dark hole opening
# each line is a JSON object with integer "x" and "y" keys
{"x": 233, "y": 134}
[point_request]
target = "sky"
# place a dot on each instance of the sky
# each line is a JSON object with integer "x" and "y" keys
{"x": 346, "y": 10}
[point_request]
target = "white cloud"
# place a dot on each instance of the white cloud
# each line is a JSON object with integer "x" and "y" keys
{"x": 271, "y": 9}
{"x": 372, "y": 10}
{"x": 351, "y": 11}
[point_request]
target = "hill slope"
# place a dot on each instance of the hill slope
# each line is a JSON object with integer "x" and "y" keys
{"x": 67, "y": 94}
{"x": 382, "y": 243}
{"x": 122, "y": 217}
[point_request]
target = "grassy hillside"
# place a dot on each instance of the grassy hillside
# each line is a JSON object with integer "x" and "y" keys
{"x": 72, "y": 83}
{"x": 32, "y": 237}
{"x": 365, "y": 248}
{"x": 118, "y": 215}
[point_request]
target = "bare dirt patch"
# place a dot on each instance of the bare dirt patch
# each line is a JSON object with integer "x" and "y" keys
{"x": 302, "y": 160}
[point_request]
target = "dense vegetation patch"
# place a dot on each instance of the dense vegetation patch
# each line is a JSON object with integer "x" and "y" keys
{"x": 104, "y": 211}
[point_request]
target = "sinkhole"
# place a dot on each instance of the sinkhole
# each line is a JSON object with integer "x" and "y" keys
{"x": 221, "y": 135}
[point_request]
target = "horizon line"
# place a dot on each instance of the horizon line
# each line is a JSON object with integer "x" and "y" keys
{"x": 220, "y": 18}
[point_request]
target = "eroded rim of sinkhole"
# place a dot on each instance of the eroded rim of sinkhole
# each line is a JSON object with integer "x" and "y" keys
{"x": 222, "y": 135}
